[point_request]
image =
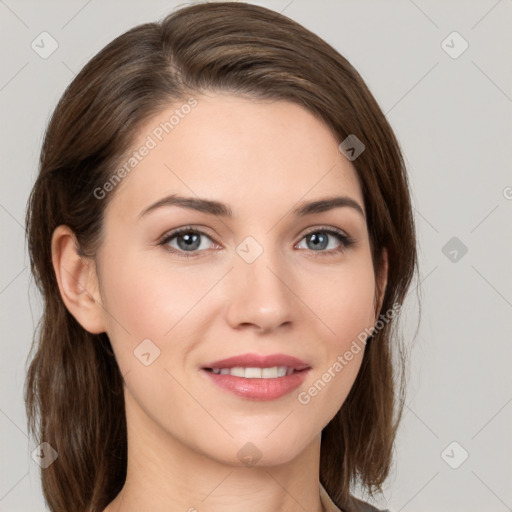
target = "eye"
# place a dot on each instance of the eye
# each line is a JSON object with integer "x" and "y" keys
{"x": 318, "y": 240}
{"x": 188, "y": 240}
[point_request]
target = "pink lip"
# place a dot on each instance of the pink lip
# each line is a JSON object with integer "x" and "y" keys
{"x": 259, "y": 361}
{"x": 258, "y": 389}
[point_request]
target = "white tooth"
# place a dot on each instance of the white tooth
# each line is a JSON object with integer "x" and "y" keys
{"x": 255, "y": 373}
{"x": 281, "y": 371}
{"x": 238, "y": 371}
{"x": 252, "y": 373}
{"x": 269, "y": 373}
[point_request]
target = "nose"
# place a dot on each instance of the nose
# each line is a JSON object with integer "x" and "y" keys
{"x": 260, "y": 294}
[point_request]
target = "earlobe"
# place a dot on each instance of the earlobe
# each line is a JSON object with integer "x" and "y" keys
{"x": 77, "y": 280}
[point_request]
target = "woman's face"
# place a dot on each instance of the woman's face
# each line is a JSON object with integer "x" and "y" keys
{"x": 262, "y": 281}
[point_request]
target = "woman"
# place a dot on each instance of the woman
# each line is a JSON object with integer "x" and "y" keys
{"x": 222, "y": 233}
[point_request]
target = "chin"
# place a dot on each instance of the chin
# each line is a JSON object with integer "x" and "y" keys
{"x": 270, "y": 448}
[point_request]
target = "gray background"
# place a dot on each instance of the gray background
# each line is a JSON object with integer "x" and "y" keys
{"x": 452, "y": 116}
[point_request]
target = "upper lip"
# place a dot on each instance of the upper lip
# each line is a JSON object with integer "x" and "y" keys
{"x": 259, "y": 361}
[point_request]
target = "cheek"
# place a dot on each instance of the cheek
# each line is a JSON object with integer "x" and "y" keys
{"x": 148, "y": 299}
{"x": 346, "y": 307}
{"x": 344, "y": 301}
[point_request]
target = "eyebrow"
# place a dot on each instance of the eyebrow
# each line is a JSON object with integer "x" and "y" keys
{"x": 223, "y": 210}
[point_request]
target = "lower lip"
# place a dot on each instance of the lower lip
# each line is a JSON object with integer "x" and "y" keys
{"x": 258, "y": 389}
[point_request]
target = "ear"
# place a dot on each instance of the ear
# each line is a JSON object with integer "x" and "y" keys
{"x": 382, "y": 281}
{"x": 77, "y": 280}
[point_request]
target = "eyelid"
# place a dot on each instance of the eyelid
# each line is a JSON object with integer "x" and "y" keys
{"x": 328, "y": 229}
{"x": 171, "y": 233}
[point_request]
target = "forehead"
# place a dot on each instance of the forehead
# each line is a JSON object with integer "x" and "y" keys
{"x": 260, "y": 157}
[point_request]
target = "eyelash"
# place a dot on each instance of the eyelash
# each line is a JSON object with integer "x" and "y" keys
{"x": 346, "y": 241}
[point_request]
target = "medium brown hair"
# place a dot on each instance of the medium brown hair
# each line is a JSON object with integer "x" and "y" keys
{"x": 74, "y": 389}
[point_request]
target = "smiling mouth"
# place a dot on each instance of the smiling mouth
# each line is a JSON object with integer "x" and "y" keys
{"x": 273, "y": 372}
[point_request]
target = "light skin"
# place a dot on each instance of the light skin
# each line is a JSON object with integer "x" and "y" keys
{"x": 262, "y": 159}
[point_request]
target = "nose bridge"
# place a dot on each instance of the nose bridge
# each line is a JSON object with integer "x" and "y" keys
{"x": 259, "y": 292}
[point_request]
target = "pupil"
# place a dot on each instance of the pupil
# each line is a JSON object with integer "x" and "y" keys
{"x": 317, "y": 240}
{"x": 191, "y": 240}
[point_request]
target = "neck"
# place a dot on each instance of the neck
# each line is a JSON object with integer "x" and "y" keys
{"x": 165, "y": 474}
